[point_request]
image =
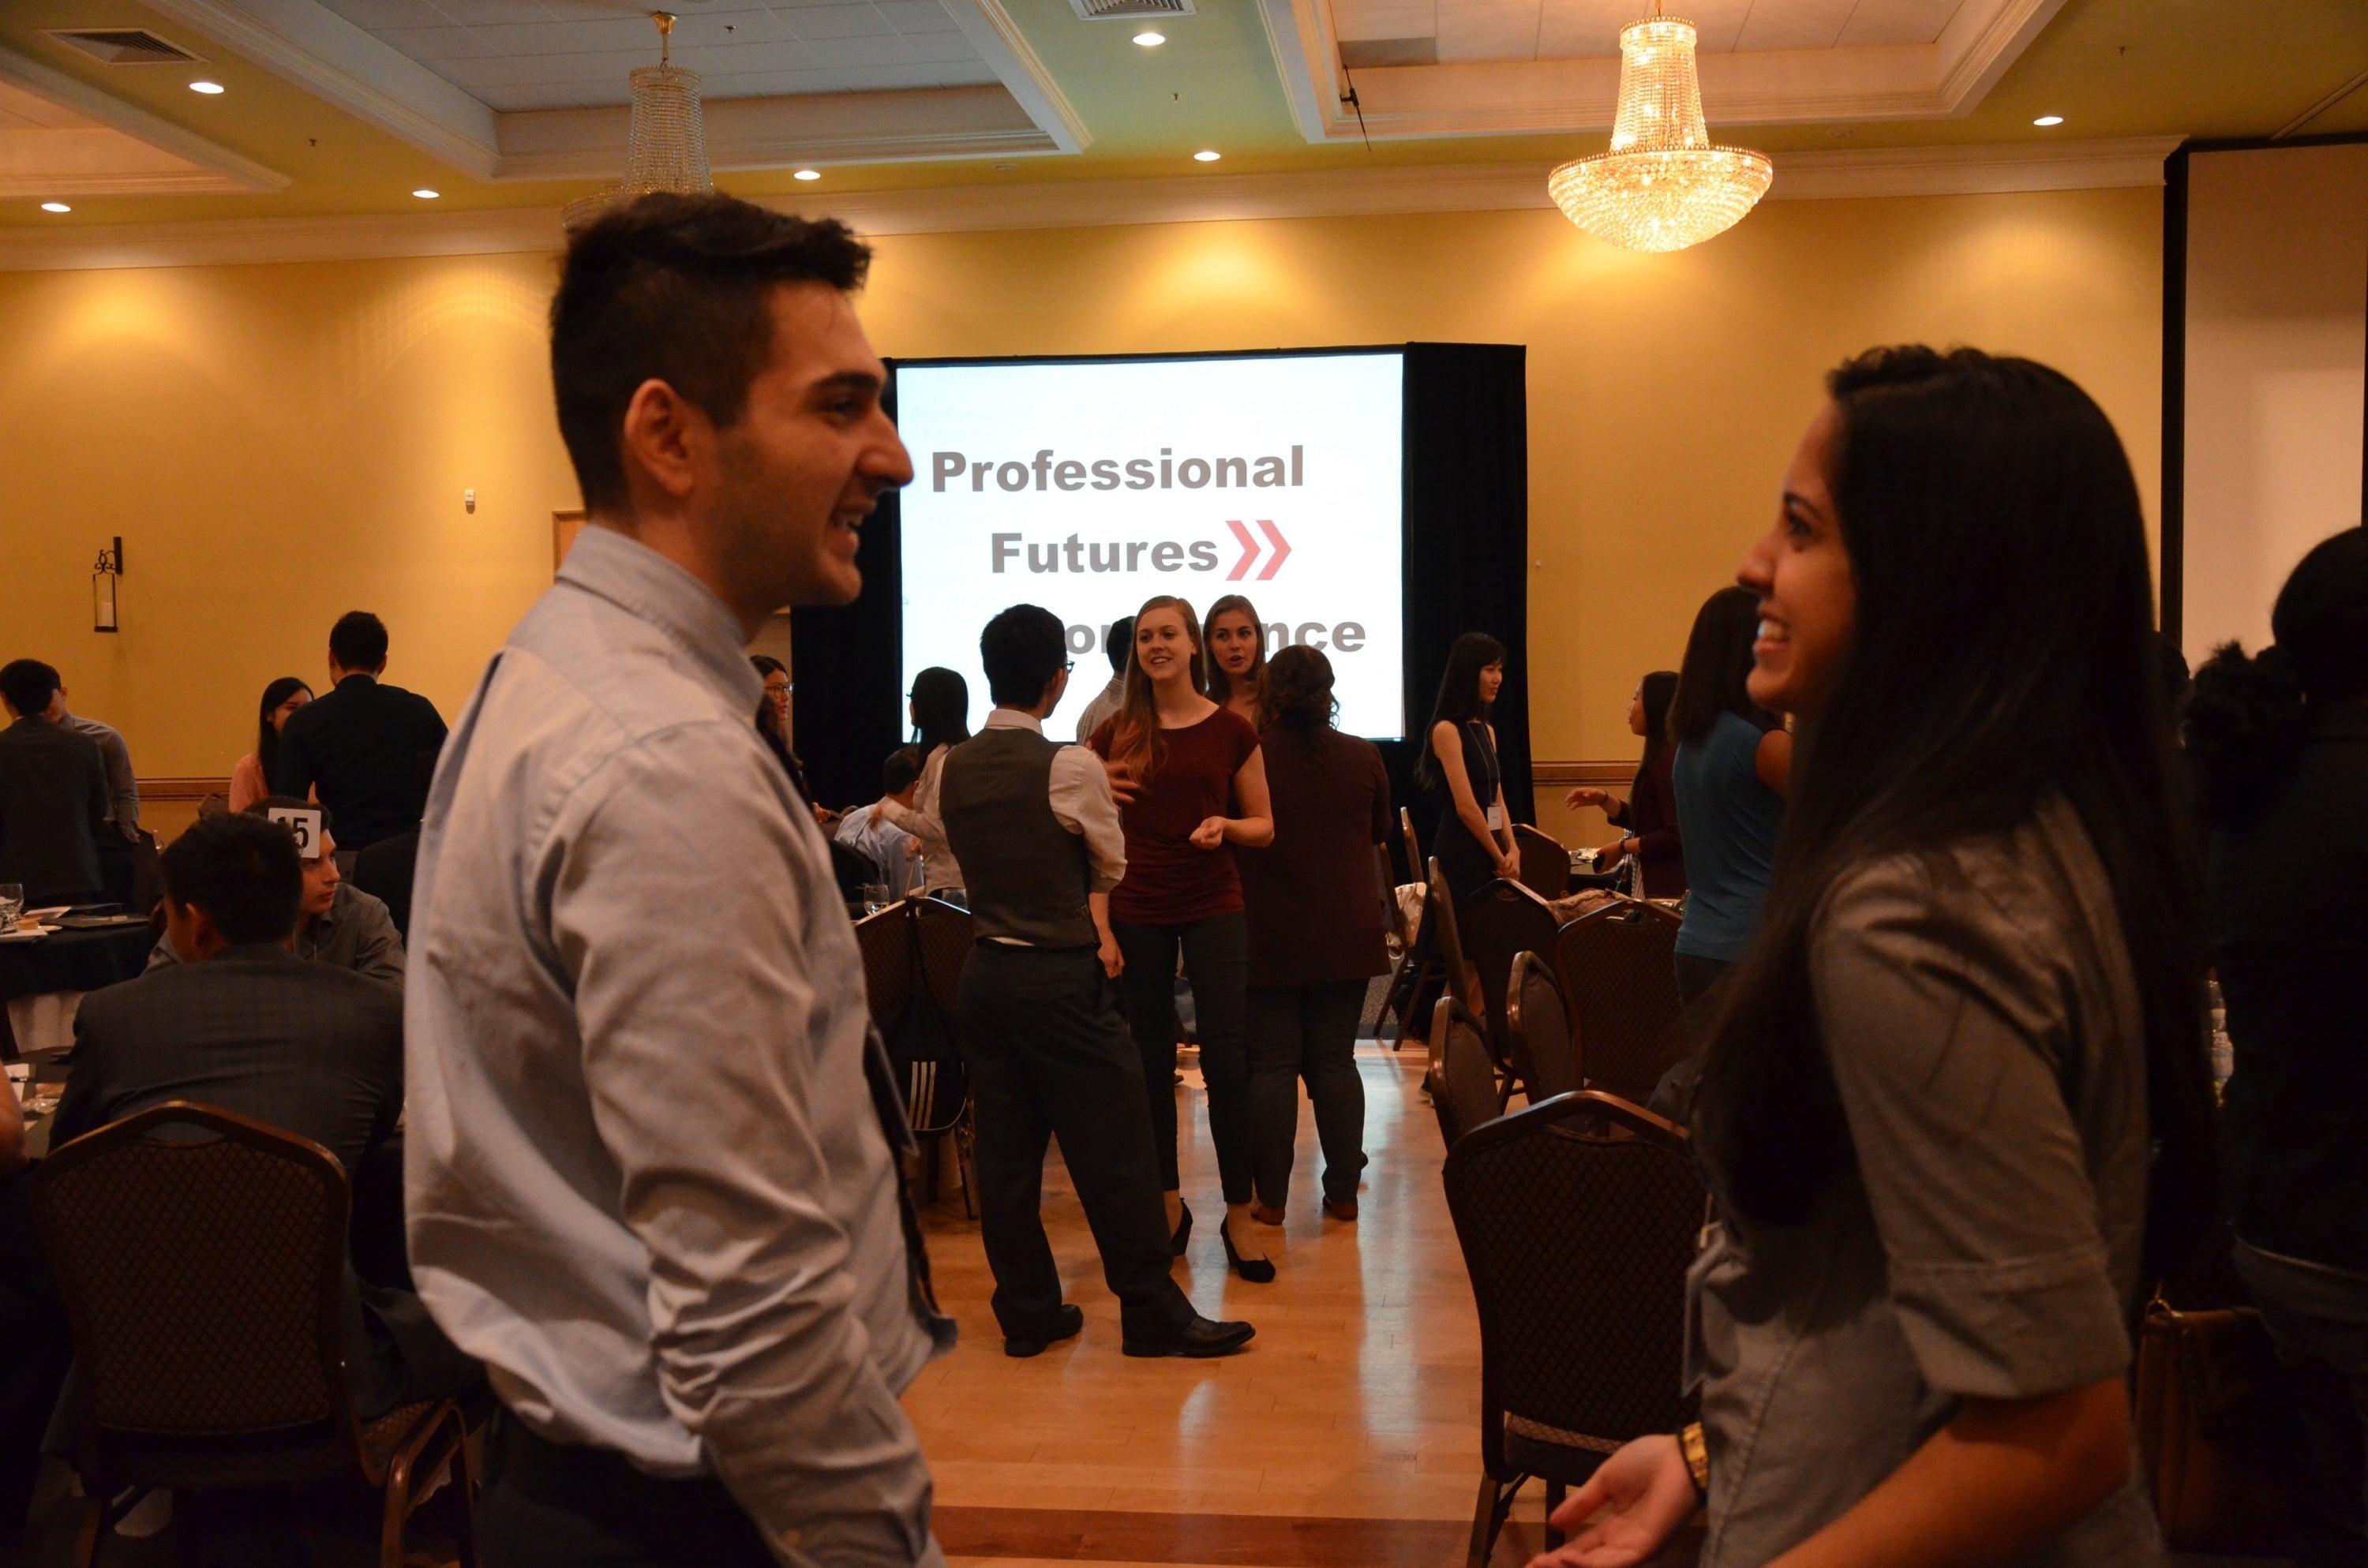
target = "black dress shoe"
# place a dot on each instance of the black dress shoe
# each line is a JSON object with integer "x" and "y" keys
{"x": 1200, "y": 1337}
{"x": 1071, "y": 1321}
{"x": 1183, "y": 1232}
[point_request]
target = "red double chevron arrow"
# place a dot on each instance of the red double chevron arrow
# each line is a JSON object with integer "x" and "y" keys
{"x": 1250, "y": 550}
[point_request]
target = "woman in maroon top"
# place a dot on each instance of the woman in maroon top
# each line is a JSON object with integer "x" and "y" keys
{"x": 1650, "y": 811}
{"x": 1313, "y": 898}
{"x": 1178, "y": 762}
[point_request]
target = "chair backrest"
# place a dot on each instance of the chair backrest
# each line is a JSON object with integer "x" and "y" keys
{"x": 1413, "y": 844}
{"x": 1578, "y": 1218}
{"x": 885, "y": 941}
{"x": 199, "y": 1256}
{"x": 1462, "y": 1079}
{"x": 1543, "y": 1056}
{"x": 1447, "y": 937}
{"x": 946, "y": 938}
{"x": 854, "y": 870}
{"x": 1618, "y": 969}
{"x": 1501, "y": 919}
{"x": 1545, "y": 861}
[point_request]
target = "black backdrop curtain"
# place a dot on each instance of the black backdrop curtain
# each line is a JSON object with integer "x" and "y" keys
{"x": 848, "y": 712}
{"x": 1467, "y": 546}
{"x": 1468, "y": 539}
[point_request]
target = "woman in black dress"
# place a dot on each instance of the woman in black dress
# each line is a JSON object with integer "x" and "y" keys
{"x": 1473, "y": 844}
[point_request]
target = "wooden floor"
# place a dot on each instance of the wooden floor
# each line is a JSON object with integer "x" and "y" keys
{"x": 1348, "y": 1433}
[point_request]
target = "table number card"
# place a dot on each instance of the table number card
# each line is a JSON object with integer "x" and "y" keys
{"x": 306, "y": 825}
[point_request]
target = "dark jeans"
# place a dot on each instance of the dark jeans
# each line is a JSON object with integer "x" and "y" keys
{"x": 2317, "y": 1318}
{"x": 1698, "y": 983}
{"x": 1049, "y": 1057}
{"x": 1216, "y": 960}
{"x": 1305, "y": 1031}
{"x": 547, "y": 1505}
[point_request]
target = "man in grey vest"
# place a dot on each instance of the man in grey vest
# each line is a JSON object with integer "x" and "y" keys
{"x": 1049, "y": 1053}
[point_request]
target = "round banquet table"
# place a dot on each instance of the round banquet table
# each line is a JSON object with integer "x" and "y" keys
{"x": 45, "y": 981}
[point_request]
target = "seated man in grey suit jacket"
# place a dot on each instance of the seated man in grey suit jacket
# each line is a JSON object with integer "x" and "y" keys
{"x": 242, "y": 1023}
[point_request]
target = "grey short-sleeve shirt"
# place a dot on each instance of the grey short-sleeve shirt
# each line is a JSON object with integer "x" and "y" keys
{"x": 1979, "y": 1011}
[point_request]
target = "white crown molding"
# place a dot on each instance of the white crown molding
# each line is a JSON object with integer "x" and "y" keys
{"x": 998, "y": 40}
{"x": 897, "y": 126}
{"x": 98, "y": 160}
{"x": 235, "y": 171}
{"x": 320, "y": 52}
{"x": 1882, "y": 174}
{"x": 1931, "y": 81}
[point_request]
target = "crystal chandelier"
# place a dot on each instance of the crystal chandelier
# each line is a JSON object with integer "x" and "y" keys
{"x": 1663, "y": 186}
{"x": 665, "y": 147}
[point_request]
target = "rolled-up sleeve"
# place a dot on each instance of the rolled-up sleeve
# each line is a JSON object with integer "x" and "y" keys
{"x": 725, "y": 1142}
{"x": 1082, "y": 803}
{"x": 1945, "y": 1027}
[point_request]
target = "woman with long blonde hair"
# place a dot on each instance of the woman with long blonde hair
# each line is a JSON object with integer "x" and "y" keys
{"x": 1236, "y": 658}
{"x": 1179, "y": 765}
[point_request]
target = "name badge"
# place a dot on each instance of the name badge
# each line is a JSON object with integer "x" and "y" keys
{"x": 1495, "y": 819}
{"x": 304, "y": 824}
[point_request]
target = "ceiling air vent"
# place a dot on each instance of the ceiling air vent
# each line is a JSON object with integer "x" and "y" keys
{"x": 125, "y": 46}
{"x": 1128, "y": 10}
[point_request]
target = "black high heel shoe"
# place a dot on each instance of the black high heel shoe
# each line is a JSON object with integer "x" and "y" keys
{"x": 1183, "y": 1232}
{"x": 1258, "y": 1271}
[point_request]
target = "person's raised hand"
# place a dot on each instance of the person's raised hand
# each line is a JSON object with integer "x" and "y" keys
{"x": 1585, "y": 795}
{"x": 1648, "y": 1494}
{"x": 1210, "y": 834}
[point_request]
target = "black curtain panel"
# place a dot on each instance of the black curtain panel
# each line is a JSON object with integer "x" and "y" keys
{"x": 848, "y": 712}
{"x": 1466, "y": 541}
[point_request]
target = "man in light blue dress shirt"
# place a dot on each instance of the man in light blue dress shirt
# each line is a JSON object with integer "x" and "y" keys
{"x": 650, "y": 1174}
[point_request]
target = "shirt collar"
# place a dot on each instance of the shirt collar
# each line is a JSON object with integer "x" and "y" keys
{"x": 1012, "y": 719}
{"x": 638, "y": 580}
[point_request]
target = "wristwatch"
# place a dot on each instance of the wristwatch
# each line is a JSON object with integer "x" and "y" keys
{"x": 1697, "y": 1456}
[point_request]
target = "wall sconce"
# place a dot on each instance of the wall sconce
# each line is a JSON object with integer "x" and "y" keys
{"x": 102, "y": 587}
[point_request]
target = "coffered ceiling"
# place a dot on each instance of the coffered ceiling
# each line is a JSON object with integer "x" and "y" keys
{"x": 347, "y": 107}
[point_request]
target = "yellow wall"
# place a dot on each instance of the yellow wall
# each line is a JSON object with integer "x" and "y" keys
{"x": 280, "y": 443}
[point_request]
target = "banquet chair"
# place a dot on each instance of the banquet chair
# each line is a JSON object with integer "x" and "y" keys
{"x": 1434, "y": 962}
{"x": 885, "y": 941}
{"x": 1618, "y": 969}
{"x": 1545, "y": 861}
{"x": 1577, "y": 1217}
{"x": 1501, "y": 919}
{"x": 1462, "y": 1080}
{"x": 199, "y": 1257}
{"x": 1544, "y": 1060}
{"x": 946, "y": 933}
{"x": 1412, "y": 844}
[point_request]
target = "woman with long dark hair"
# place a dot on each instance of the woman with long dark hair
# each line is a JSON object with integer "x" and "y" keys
{"x": 1180, "y": 767}
{"x": 1649, "y": 814}
{"x": 1474, "y": 842}
{"x": 1729, "y": 774}
{"x": 1956, "y": 1116}
{"x": 250, "y": 780}
{"x": 2279, "y": 746}
{"x": 1313, "y": 899}
{"x": 1237, "y": 654}
{"x": 941, "y": 714}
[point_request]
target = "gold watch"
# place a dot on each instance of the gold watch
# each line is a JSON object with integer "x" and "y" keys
{"x": 1697, "y": 1456}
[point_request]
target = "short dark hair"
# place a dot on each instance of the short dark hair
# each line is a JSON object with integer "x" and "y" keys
{"x": 675, "y": 288}
{"x": 28, "y": 684}
{"x": 1022, "y": 649}
{"x": 1119, "y": 643}
{"x": 896, "y": 774}
{"x": 359, "y": 641}
{"x": 243, "y": 872}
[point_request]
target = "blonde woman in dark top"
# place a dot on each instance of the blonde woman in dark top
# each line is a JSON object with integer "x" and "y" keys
{"x": 1237, "y": 654}
{"x": 1180, "y": 767}
{"x": 1313, "y": 901}
{"x": 1956, "y": 1113}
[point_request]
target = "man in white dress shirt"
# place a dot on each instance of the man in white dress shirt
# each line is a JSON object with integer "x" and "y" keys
{"x": 651, "y": 1174}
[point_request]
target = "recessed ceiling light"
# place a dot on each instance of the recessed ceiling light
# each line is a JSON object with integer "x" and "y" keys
{"x": 2049, "y": 119}
{"x": 807, "y": 174}
{"x": 55, "y": 207}
{"x": 426, "y": 194}
{"x": 1207, "y": 155}
{"x": 1150, "y": 39}
{"x": 209, "y": 88}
